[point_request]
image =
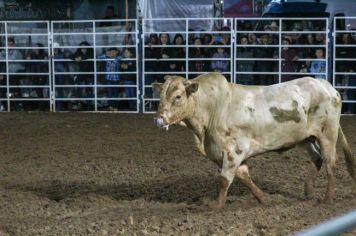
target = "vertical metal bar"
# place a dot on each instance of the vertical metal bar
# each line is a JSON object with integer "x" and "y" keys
{"x": 7, "y": 69}
{"x": 95, "y": 68}
{"x": 143, "y": 67}
{"x": 51, "y": 90}
{"x": 334, "y": 50}
{"x": 280, "y": 52}
{"x": 138, "y": 92}
{"x": 327, "y": 41}
{"x": 186, "y": 48}
{"x": 54, "y": 97}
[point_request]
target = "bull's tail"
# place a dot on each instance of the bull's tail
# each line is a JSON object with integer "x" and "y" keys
{"x": 350, "y": 160}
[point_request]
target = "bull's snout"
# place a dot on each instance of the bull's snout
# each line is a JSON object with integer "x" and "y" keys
{"x": 159, "y": 121}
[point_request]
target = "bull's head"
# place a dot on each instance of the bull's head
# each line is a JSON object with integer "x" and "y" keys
{"x": 176, "y": 102}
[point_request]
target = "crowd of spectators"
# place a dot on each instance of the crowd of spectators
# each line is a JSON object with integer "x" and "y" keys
{"x": 29, "y": 75}
{"x": 262, "y": 52}
{"x": 302, "y": 51}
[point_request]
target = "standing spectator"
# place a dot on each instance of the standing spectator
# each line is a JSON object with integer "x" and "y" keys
{"x": 179, "y": 52}
{"x": 109, "y": 15}
{"x": 38, "y": 53}
{"x": 289, "y": 57}
{"x": 319, "y": 65}
{"x": 128, "y": 64}
{"x": 201, "y": 65}
{"x": 84, "y": 58}
{"x": 112, "y": 77}
{"x": 59, "y": 67}
{"x": 165, "y": 54}
{"x": 242, "y": 65}
{"x": 220, "y": 65}
{"x": 264, "y": 66}
{"x": 13, "y": 66}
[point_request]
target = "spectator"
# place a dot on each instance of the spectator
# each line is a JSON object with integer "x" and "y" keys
{"x": 112, "y": 77}
{"x": 245, "y": 65}
{"x": 179, "y": 52}
{"x": 207, "y": 39}
{"x": 84, "y": 58}
{"x": 220, "y": 65}
{"x": 165, "y": 54}
{"x": 319, "y": 65}
{"x": 33, "y": 69}
{"x": 197, "y": 52}
{"x": 264, "y": 66}
{"x": 129, "y": 65}
{"x": 289, "y": 56}
{"x": 109, "y": 15}
{"x": 13, "y": 66}
{"x": 59, "y": 67}
{"x": 151, "y": 52}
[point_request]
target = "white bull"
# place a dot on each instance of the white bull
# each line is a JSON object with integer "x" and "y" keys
{"x": 233, "y": 122}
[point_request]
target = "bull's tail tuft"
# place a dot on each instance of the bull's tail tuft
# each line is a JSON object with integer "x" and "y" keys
{"x": 350, "y": 160}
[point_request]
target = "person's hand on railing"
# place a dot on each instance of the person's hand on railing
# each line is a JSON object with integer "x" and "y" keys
{"x": 78, "y": 58}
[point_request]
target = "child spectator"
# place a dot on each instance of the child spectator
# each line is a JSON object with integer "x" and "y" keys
{"x": 318, "y": 66}
{"x": 112, "y": 77}
{"x": 129, "y": 65}
{"x": 220, "y": 65}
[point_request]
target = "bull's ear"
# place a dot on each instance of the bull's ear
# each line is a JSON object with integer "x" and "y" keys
{"x": 191, "y": 88}
{"x": 157, "y": 86}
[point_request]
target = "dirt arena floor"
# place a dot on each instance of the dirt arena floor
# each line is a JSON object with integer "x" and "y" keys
{"x": 117, "y": 174}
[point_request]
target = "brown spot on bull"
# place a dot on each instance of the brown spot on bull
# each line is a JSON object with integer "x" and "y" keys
{"x": 228, "y": 132}
{"x": 230, "y": 157}
{"x": 283, "y": 115}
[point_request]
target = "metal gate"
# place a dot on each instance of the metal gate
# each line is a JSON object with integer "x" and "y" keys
{"x": 95, "y": 65}
{"x": 25, "y": 78}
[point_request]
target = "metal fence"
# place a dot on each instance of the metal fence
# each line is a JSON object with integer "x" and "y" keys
{"x": 186, "y": 47}
{"x": 344, "y": 62}
{"x": 73, "y": 65}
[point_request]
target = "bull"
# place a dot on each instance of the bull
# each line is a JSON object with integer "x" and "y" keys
{"x": 232, "y": 123}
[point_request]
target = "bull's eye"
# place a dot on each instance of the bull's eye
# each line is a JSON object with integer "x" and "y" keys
{"x": 178, "y": 97}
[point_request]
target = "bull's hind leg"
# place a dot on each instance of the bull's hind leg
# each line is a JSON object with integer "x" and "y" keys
{"x": 313, "y": 150}
{"x": 328, "y": 151}
{"x": 244, "y": 177}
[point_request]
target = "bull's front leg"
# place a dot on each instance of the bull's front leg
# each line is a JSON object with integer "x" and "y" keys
{"x": 231, "y": 162}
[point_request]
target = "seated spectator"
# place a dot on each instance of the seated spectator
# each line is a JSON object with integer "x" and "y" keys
{"x": 129, "y": 65}
{"x": 220, "y": 65}
{"x": 318, "y": 66}
{"x": 112, "y": 77}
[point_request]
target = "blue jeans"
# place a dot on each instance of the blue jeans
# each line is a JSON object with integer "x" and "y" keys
{"x": 130, "y": 92}
{"x": 113, "y": 92}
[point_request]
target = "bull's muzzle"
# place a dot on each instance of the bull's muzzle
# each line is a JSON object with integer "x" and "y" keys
{"x": 160, "y": 123}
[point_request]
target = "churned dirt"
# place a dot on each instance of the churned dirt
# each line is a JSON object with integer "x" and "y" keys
{"x": 117, "y": 174}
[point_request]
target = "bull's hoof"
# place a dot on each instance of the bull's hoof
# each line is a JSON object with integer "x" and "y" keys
{"x": 263, "y": 199}
{"x": 326, "y": 200}
{"x": 215, "y": 206}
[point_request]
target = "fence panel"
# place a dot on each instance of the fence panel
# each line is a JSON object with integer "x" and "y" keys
{"x": 194, "y": 46}
{"x": 344, "y": 62}
{"x": 274, "y": 50}
{"x": 25, "y": 78}
{"x": 95, "y": 65}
